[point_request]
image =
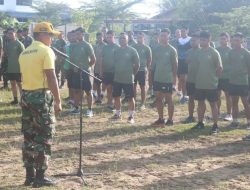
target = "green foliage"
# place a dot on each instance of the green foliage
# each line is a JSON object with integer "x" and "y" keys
{"x": 7, "y": 21}
{"x": 51, "y": 12}
{"x": 238, "y": 20}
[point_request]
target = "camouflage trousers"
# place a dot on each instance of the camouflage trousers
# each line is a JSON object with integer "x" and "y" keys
{"x": 38, "y": 120}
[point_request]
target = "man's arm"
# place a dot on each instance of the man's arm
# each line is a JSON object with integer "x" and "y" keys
{"x": 174, "y": 67}
{"x": 219, "y": 67}
{"x": 136, "y": 62}
{"x": 53, "y": 87}
{"x": 149, "y": 58}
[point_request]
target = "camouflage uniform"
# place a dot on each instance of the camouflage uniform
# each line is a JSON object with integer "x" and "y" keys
{"x": 60, "y": 45}
{"x": 38, "y": 127}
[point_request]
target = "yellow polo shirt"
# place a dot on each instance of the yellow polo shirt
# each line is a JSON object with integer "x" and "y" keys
{"x": 33, "y": 61}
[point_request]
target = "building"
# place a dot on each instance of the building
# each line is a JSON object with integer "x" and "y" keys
{"x": 20, "y": 9}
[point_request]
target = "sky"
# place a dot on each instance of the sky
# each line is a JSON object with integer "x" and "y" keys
{"x": 146, "y": 9}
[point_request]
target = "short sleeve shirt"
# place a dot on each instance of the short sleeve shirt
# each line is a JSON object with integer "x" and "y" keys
{"x": 209, "y": 60}
{"x": 165, "y": 58}
{"x": 34, "y": 60}
{"x": 224, "y": 53}
{"x": 13, "y": 50}
{"x": 144, "y": 53}
{"x": 125, "y": 59}
{"x": 239, "y": 66}
{"x": 98, "y": 53}
{"x": 81, "y": 53}
{"x": 108, "y": 57}
{"x": 193, "y": 64}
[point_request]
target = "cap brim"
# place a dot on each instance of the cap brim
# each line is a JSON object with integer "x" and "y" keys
{"x": 56, "y": 33}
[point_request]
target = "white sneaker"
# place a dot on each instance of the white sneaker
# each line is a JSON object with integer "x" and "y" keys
{"x": 89, "y": 113}
{"x": 228, "y": 117}
{"x": 178, "y": 93}
{"x": 142, "y": 107}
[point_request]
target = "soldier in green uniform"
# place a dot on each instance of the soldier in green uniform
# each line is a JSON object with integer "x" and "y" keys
{"x": 154, "y": 43}
{"x": 223, "y": 84}
{"x": 126, "y": 66}
{"x": 192, "y": 61}
{"x": 40, "y": 101}
{"x": 82, "y": 54}
{"x": 98, "y": 49}
{"x": 164, "y": 77}
{"x": 60, "y": 44}
{"x": 27, "y": 39}
{"x": 13, "y": 50}
{"x": 108, "y": 65}
{"x": 4, "y": 62}
{"x": 206, "y": 82}
{"x": 239, "y": 60}
{"x": 145, "y": 56}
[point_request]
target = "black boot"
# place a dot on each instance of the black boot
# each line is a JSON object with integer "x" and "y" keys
{"x": 40, "y": 180}
{"x": 30, "y": 176}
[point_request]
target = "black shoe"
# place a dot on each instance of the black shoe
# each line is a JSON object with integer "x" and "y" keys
{"x": 98, "y": 102}
{"x": 169, "y": 122}
{"x": 199, "y": 125}
{"x": 159, "y": 123}
{"x": 246, "y": 138}
{"x": 125, "y": 100}
{"x": 41, "y": 181}
{"x": 215, "y": 129}
{"x": 14, "y": 102}
{"x": 30, "y": 176}
{"x": 189, "y": 120}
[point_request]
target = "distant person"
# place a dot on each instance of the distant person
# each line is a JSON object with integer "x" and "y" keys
{"x": 126, "y": 66}
{"x": 60, "y": 44}
{"x": 131, "y": 40}
{"x": 154, "y": 43}
{"x": 27, "y": 39}
{"x": 108, "y": 67}
{"x": 82, "y": 54}
{"x": 98, "y": 49}
{"x": 13, "y": 50}
{"x": 145, "y": 56}
{"x": 223, "y": 85}
{"x": 239, "y": 60}
{"x": 183, "y": 45}
{"x": 206, "y": 83}
{"x": 193, "y": 64}
{"x": 166, "y": 61}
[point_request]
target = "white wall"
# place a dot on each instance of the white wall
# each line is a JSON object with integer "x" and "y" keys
{"x": 10, "y": 6}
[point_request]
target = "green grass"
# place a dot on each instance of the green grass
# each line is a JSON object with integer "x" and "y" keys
{"x": 135, "y": 156}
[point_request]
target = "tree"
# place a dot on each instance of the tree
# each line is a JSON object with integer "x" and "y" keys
{"x": 56, "y": 13}
{"x": 6, "y": 21}
{"x": 99, "y": 11}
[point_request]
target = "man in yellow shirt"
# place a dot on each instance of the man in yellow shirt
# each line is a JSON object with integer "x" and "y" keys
{"x": 40, "y": 100}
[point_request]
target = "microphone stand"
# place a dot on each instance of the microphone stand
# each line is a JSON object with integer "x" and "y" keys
{"x": 79, "y": 172}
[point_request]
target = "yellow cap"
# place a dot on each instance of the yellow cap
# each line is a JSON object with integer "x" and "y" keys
{"x": 45, "y": 27}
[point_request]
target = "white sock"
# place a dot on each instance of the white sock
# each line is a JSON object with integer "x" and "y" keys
{"x": 131, "y": 113}
{"x": 118, "y": 112}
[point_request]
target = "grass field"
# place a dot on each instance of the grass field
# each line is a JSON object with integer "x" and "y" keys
{"x": 136, "y": 156}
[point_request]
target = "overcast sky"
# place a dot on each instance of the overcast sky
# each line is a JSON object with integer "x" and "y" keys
{"x": 147, "y": 8}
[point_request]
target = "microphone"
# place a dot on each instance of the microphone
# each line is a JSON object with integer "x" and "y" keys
{"x": 59, "y": 52}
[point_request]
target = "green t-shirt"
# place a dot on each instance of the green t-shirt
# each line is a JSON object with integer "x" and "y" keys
{"x": 14, "y": 49}
{"x": 1, "y": 43}
{"x": 224, "y": 53}
{"x": 239, "y": 61}
{"x": 192, "y": 61}
{"x": 98, "y": 49}
{"x": 154, "y": 50}
{"x": 108, "y": 57}
{"x": 66, "y": 65}
{"x": 81, "y": 53}
{"x": 132, "y": 42}
{"x": 144, "y": 53}
{"x": 165, "y": 58}
{"x": 125, "y": 59}
{"x": 209, "y": 60}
